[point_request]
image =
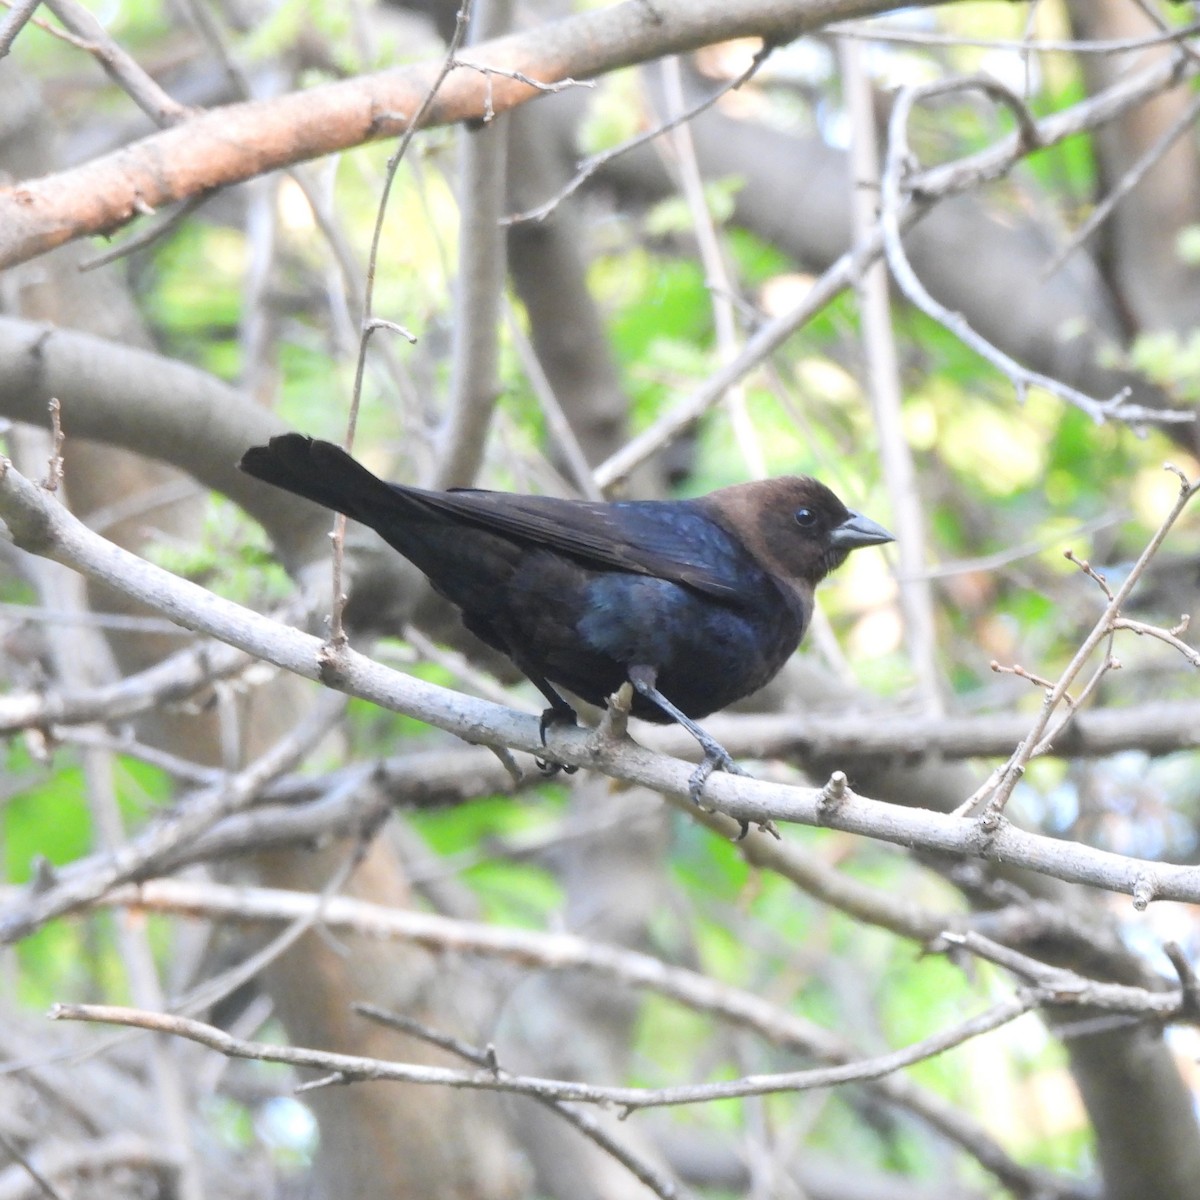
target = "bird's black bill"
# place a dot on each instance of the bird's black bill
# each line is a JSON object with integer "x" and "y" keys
{"x": 858, "y": 531}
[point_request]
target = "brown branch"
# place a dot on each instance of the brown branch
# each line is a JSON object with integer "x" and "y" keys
{"x": 239, "y": 141}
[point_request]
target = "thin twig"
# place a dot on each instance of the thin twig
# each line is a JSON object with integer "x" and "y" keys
{"x": 148, "y": 236}
{"x": 883, "y": 389}
{"x": 999, "y": 787}
{"x": 348, "y": 1067}
{"x": 721, "y": 288}
{"x": 186, "y": 823}
{"x": 337, "y": 634}
{"x": 1062, "y": 986}
{"x": 120, "y": 66}
{"x": 1137, "y": 171}
{"x": 898, "y": 167}
{"x": 214, "y": 989}
{"x": 659, "y": 1183}
{"x": 586, "y": 169}
{"x": 19, "y": 14}
{"x": 479, "y": 285}
{"x": 1087, "y": 568}
{"x": 44, "y": 1184}
{"x": 1163, "y": 635}
{"x": 560, "y": 85}
{"x": 168, "y": 682}
{"x": 557, "y": 424}
{"x": 866, "y": 31}
{"x": 760, "y": 345}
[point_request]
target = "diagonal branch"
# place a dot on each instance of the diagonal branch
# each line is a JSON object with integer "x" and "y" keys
{"x": 239, "y": 141}
{"x": 39, "y": 525}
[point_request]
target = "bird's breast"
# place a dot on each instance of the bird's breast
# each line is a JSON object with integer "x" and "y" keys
{"x": 707, "y": 653}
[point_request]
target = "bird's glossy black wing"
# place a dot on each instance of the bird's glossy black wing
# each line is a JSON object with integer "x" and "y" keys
{"x": 671, "y": 540}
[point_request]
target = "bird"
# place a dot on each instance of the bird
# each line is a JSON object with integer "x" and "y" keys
{"x": 696, "y": 603}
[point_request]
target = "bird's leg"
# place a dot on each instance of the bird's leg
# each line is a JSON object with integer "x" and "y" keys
{"x": 715, "y": 755}
{"x": 559, "y": 713}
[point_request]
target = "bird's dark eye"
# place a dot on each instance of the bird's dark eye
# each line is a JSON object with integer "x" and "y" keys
{"x": 805, "y": 518}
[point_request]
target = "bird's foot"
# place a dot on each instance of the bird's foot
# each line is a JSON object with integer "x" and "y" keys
{"x": 554, "y": 716}
{"x": 715, "y": 757}
{"x": 550, "y": 769}
{"x": 643, "y": 679}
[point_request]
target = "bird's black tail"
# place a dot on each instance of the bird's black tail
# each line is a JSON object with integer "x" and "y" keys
{"x": 324, "y": 473}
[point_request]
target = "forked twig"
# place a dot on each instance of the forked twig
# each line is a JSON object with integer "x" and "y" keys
{"x": 1000, "y": 784}
{"x": 899, "y": 165}
{"x": 589, "y": 166}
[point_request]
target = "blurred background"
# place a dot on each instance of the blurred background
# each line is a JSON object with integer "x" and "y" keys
{"x": 601, "y": 312}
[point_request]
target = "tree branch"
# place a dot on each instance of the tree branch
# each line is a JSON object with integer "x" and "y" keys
{"x": 346, "y": 1068}
{"x": 41, "y": 526}
{"x": 232, "y": 144}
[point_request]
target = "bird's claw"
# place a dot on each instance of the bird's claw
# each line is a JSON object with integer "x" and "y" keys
{"x": 715, "y": 757}
{"x": 554, "y": 716}
{"x": 550, "y": 769}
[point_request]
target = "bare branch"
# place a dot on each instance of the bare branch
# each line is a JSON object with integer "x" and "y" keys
{"x": 120, "y": 66}
{"x": 1182, "y": 124}
{"x": 1000, "y": 786}
{"x": 41, "y": 1182}
{"x": 239, "y": 141}
{"x": 590, "y": 166}
{"x": 337, "y": 634}
{"x": 922, "y": 191}
{"x": 1164, "y": 635}
{"x": 897, "y": 173}
{"x": 869, "y": 31}
{"x": 41, "y": 526}
{"x": 475, "y": 353}
{"x": 345, "y": 1068}
{"x": 882, "y": 385}
{"x": 19, "y": 14}
{"x": 187, "y": 822}
{"x": 660, "y": 1184}
{"x": 171, "y": 681}
{"x": 72, "y": 1164}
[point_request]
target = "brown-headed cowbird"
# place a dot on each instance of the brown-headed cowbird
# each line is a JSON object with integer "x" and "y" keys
{"x": 697, "y": 603}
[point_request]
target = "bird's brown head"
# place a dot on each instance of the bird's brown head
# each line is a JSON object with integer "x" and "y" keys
{"x": 795, "y": 526}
